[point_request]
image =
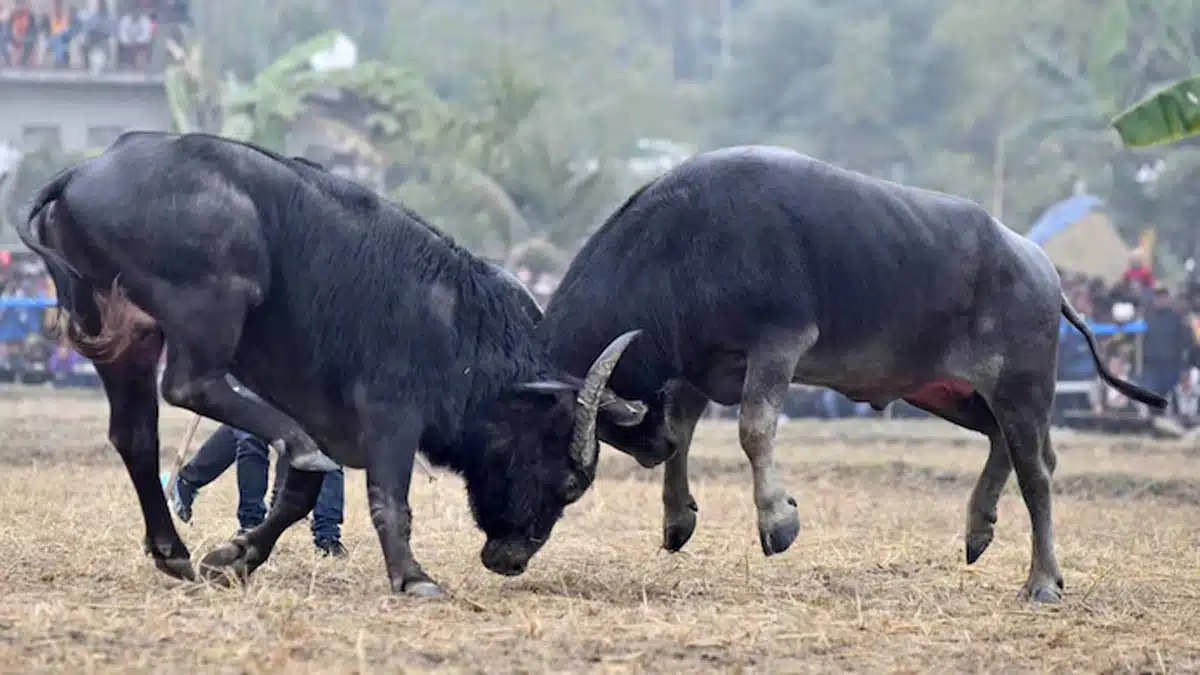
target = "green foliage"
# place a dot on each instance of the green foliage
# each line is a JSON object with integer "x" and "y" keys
{"x": 482, "y": 113}
{"x": 1171, "y": 114}
{"x": 493, "y": 160}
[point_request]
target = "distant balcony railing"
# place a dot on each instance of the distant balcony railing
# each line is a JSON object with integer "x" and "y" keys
{"x": 90, "y": 52}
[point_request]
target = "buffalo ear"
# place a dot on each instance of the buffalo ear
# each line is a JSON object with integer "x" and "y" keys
{"x": 621, "y": 412}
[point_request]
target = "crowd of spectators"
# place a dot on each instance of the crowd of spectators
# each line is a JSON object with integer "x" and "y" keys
{"x": 1152, "y": 332}
{"x": 85, "y": 34}
{"x": 31, "y": 352}
{"x": 1148, "y": 331}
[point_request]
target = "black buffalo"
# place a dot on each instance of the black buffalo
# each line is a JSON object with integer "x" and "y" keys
{"x": 369, "y": 334}
{"x": 750, "y": 268}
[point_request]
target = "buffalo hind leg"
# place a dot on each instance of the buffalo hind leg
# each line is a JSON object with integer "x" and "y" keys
{"x": 129, "y": 382}
{"x": 241, "y": 555}
{"x": 686, "y": 405}
{"x": 981, "y": 509}
{"x": 973, "y": 413}
{"x": 769, "y": 370}
{"x": 195, "y": 379}
{"x": 392, "y": 437}
{"x": 1022, "y": 408}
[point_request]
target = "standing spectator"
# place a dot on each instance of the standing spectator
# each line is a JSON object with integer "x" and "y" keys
{"x": 5, "y": 266}
{"x": 1167, "y": 345}
{"x": 1138, "y": 275}
{"x": 22, "y": 34}
{"x": 228, "y": 445}
{"x": 143, "y": 40}
{"x": 4, "y": 12}
{"x": 135, "y": 34}
{"x": 126, "y": 39}
{"x": 60, "y": 30}
{"x": 98, "y": 27}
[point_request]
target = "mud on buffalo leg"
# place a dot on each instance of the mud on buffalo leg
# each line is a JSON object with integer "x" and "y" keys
{"x": 392, "y": 437}
{"x": 769, "y": 370}
{"x": 685, "y": 407}
{"x": 1022, "y": 408}
{"x": 243, "y": 554}
{"x": 130, "y": 385}
{"x": 195, "y": 379}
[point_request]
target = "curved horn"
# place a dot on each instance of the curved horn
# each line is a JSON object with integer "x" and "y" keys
{"x": 583, "y": 442}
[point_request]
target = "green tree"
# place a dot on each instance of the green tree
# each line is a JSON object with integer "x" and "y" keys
{"x": 518, "y": 194}
{"x": 266, "y": 107}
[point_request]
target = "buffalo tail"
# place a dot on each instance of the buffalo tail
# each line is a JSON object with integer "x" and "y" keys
{"x": 1127, "y": 388}
{"x": 100, "y": 325}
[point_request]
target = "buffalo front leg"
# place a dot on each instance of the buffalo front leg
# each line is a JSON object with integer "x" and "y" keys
{"x": 130, "y": 386}
{"x": 241, "y": 555}
{"x": 195, "y": 379}
{"x": 769, "y": 371}
{"x": 392, "y": 439}
{"x": 685, "y": 407}
{"x": 1022, "y": 408}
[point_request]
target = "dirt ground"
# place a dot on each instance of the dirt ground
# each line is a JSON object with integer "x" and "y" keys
{"x": 875, "y": 582}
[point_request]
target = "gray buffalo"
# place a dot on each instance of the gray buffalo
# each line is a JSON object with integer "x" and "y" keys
{"x": 751, "y": 268}
{"x": 366, "y": 332}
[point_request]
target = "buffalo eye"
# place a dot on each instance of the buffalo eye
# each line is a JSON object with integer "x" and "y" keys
{"x": 572, "y": 487}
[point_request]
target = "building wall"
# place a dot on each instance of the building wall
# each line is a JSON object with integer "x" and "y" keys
{"x": 85, "y": 112}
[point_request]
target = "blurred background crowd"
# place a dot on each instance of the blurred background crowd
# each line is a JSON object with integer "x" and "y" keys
{"x": 95, "y": 35}
{"x": 517, "y": 125}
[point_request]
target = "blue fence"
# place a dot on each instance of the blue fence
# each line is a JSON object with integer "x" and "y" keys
{"x": 22, "y": 317}
{"x": 1106, "y": 329}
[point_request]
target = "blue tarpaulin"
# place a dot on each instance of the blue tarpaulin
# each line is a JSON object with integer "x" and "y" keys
{"x": 1061, "y": 216}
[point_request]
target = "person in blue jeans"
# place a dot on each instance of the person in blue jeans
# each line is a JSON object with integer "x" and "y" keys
{"x": 228, "y": 445}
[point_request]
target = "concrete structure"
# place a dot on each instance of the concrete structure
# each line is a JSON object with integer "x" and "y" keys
{"x": 78, "y": 109}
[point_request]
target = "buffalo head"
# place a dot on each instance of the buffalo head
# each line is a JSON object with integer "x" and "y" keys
{"x": 541, "y": 456}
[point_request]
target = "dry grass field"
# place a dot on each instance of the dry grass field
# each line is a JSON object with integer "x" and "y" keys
{"x": 875, "y": 582}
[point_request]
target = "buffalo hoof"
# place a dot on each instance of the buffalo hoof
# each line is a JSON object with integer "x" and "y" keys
{"x": 423, "y": 589}
{"x": 229, "y": 561}
{"x": 170, "y": 556}
{"x": 977, "y": 543}
{"x": 1043, "y": 592}
{"x": 177, "y": 568}
{"x": 678, "y": 527}
{"x": 778, "y": 528}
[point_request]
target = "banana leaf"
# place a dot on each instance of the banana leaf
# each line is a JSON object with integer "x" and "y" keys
{"x": 1171, "y": 114}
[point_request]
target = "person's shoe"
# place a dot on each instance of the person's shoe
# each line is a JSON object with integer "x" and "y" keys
{"x": 180, "y": 499}
{"x": 331, "y": 547}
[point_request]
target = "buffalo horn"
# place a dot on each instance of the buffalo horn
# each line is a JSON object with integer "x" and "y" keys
{"x": 583, "y": 442}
